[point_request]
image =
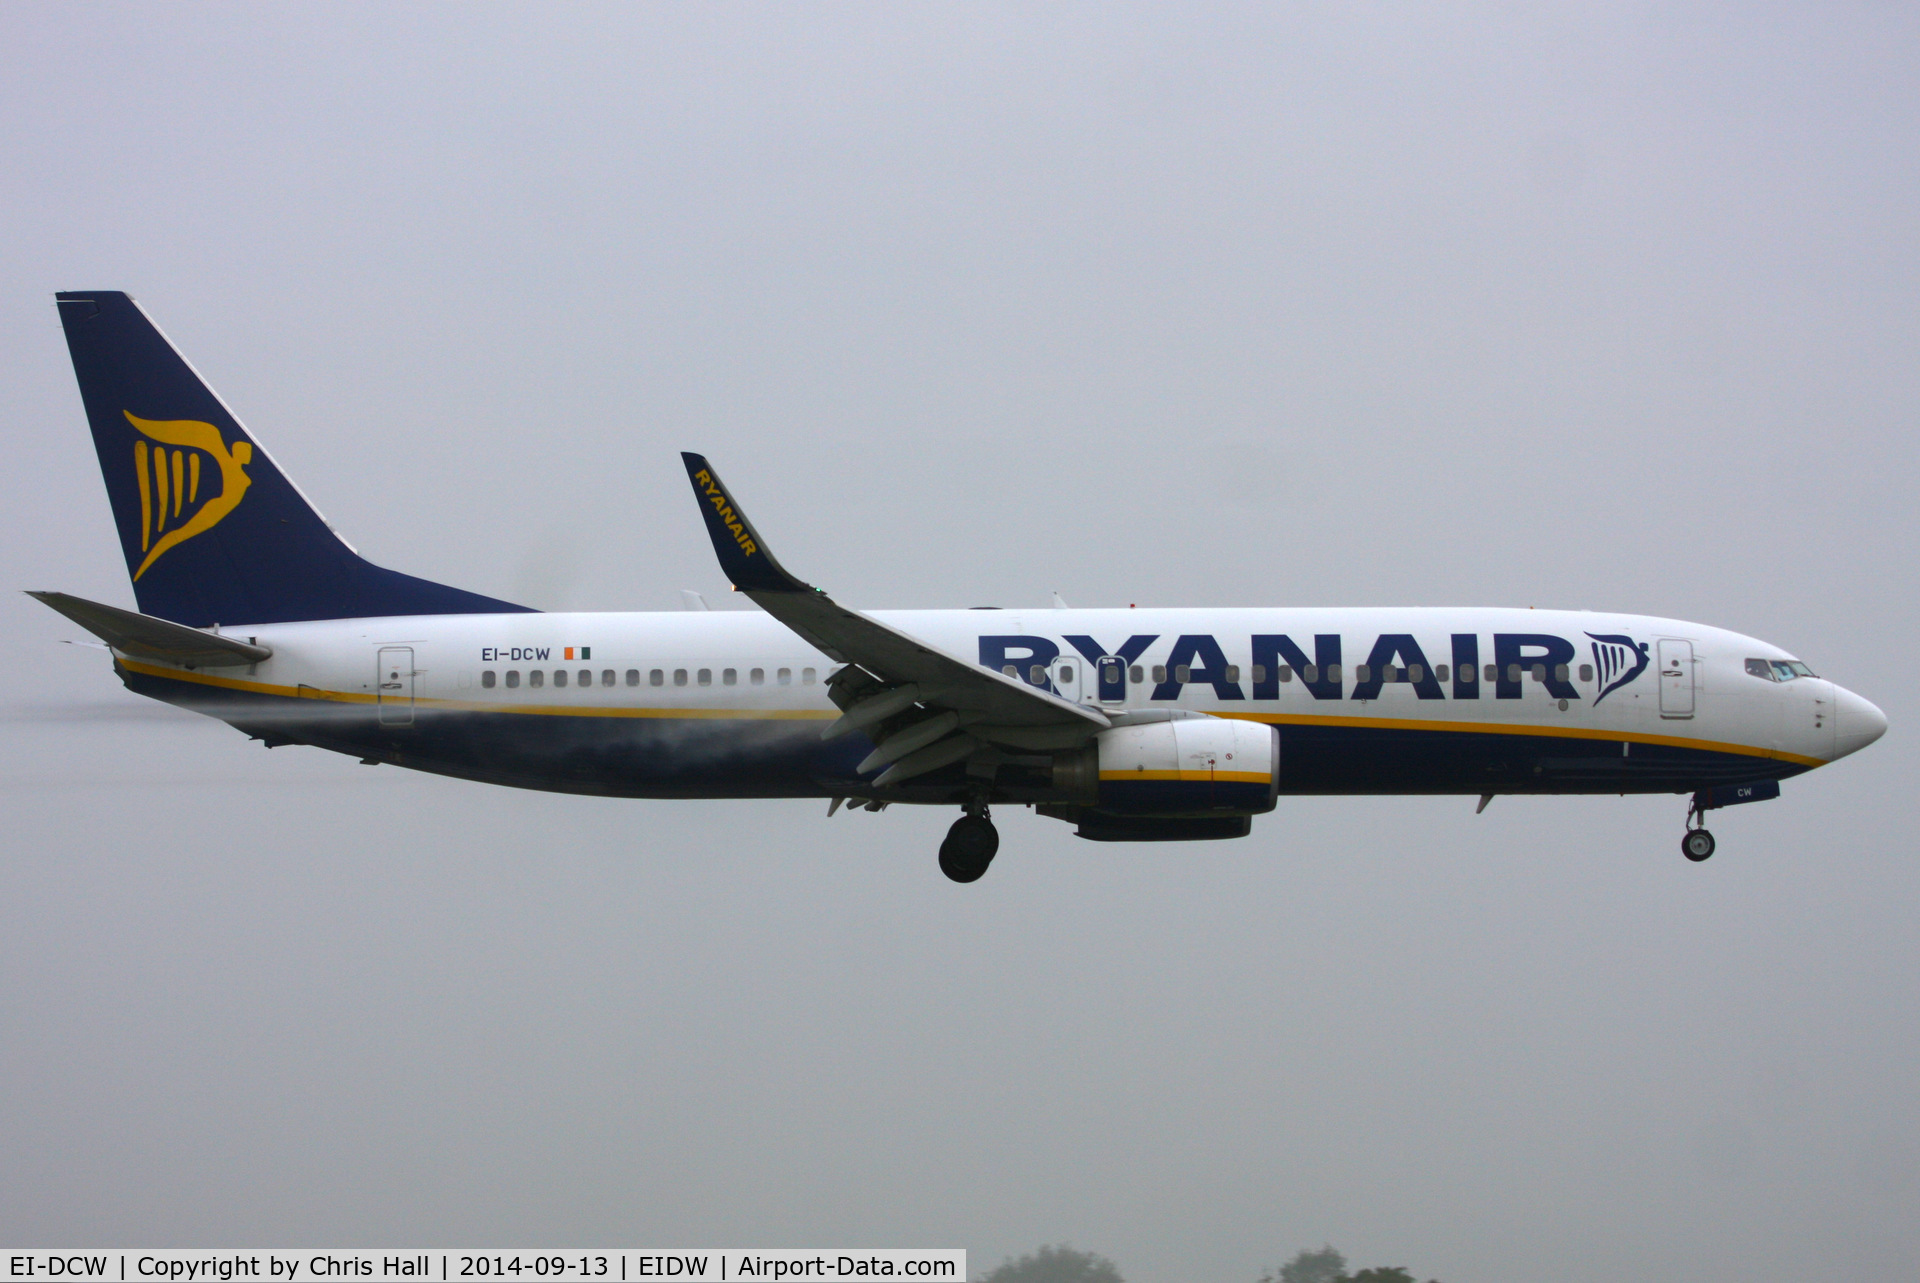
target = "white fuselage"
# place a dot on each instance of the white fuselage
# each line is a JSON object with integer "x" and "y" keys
{"x": 664, "y": 683}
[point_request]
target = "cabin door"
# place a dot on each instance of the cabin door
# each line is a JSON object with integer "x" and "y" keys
{"x": 1676, "y": 678}
{"x": 393, "y": 688}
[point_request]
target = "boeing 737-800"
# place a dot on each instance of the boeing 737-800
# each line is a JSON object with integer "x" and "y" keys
{"x": 1130, "y": 724}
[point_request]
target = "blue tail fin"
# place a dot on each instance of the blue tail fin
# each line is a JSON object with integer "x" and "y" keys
{"x": 212, "y": 531}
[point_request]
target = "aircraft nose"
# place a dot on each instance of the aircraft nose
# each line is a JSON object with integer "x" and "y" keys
{"x": 1858, "y": 724}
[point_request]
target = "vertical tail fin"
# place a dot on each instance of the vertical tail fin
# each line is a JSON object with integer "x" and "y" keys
{"x": 213, "y": 532}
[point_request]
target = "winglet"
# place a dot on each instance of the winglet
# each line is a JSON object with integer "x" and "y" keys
{"x": 743, "y": 554}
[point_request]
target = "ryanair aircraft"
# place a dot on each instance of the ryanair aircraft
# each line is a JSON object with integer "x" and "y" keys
{"x": 1131, "y": 725}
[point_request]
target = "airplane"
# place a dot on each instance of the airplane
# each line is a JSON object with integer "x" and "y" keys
{"x": 1132, "y": 724}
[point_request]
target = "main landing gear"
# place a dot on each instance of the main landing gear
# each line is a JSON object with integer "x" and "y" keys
{"x": 970, "y": 846}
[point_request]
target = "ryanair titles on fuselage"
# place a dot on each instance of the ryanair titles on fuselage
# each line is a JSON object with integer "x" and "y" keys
{"x": 1277, "y": 659}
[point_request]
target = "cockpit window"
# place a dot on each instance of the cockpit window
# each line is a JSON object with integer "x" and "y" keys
{"x": 1778, "y": 670}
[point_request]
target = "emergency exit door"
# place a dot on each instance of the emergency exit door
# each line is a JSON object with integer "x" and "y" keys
{"x": 1676, "y": 678}
{"x": 1068, "y": 676}
{"x": 394, "y": 688}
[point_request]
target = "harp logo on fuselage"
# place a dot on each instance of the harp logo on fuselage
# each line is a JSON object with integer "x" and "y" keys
{"x": 168, "y": 458}
{"x": 1619, "y": 659}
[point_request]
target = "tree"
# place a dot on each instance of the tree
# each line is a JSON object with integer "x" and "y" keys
{"x": 1328, "y": 1266}
{"x": 1060, "y": 1264}
{"x": 1323, "y": 1266}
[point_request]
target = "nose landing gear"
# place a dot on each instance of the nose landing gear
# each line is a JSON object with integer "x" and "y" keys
{"x": 970, "y": 845}
{"x": 1697, "y": 845}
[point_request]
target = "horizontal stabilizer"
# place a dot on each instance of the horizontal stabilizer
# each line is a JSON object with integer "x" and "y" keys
{"x": 132, "y": 633}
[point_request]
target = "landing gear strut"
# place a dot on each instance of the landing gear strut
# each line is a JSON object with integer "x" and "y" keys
{"x": 1696, "y": 844}
{"x": 970, "y": 845}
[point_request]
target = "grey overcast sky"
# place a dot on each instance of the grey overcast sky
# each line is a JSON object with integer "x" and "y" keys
{"x": 1609, "y": 306}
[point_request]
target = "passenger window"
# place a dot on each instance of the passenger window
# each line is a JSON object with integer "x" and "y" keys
{"x": 705, "y": 677}
{"x": 1539, "y": 672}
{"x": 1134, "y": 675}
{"x": 536, "y": 678}
{"x": 1559, "y": 672}
{"x": 1760, "y": 668}
{"x": 1586, "y": 672}
{"x": 1361, "y": 672}
{"x": 1010, "y": 670}
{"x": 1493, "y": 674}
{"x": 1159, "y": 672}
{"x": 1443, "y": 672}
{"x": 729, "y": 677}
{"x": 1333, "y": 673}
{"x": 758, "y": 677}
{"x": 1310, "y": 674}
{"x": 1183, "y": 672}
{"x": 679, "y": 677}
{"x": 586, "y": 677}
{"x": 513, "y": 678}
{"x": 486, "y": 678}
{"x": 1259, "y": 673}
{"x": 1416, "y": 673}
{"x": 1233, "y": 672}
{"x": 785, "y": 676}
{"x": 1513, "y": 672}
{"x": 1286, "y": 673}
{"x": 606, "y": 677}
{"x": 806, "y": 677}
{"x": 1066, "y": 672}
{"x": 1037, "y": 674}
{"x": 559, "y": 677}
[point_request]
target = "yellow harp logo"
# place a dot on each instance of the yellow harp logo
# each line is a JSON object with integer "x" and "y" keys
{"x": 169, "y": 474}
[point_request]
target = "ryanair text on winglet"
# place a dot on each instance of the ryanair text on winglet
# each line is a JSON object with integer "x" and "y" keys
{"x": 728, "y": 518}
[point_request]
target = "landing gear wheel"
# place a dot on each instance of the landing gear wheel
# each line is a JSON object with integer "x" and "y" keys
{"x": 1697, "y": 845}
{"x": 969, "y": 848}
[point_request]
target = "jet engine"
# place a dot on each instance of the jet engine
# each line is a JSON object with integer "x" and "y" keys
{"x": 1179, "y": 779}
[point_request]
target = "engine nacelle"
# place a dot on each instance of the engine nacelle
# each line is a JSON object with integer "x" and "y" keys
{"x": 1190, "y": 766}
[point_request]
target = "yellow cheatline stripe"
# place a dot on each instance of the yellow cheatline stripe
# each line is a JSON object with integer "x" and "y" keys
{"x": 1550, "y": 732}
{"x": 1216, "y": 777}
{"x": 477, "y": 706}
{"x": 808, "y": 714}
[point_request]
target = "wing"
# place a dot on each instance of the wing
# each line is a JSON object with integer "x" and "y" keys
{"x": 920, "y": 704}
